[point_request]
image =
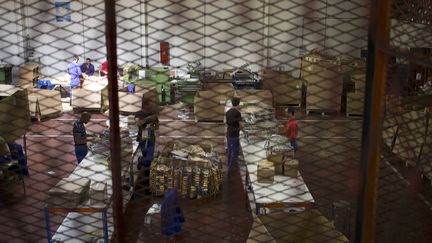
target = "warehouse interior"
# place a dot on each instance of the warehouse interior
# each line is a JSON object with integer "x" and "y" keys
{"x": 354, "y": 76}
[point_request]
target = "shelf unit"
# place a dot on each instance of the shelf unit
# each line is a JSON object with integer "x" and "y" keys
{"x": 29, "y": 75}
{"x": 69, "y": 224}
{"x": 5, "y": 73}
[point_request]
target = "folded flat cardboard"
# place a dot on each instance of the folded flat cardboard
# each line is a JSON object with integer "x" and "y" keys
{"x": 266, "y": 172}
{"x": 305, "y": 226}
{"x": 7, "y": 90}
{"x": 253, "y": 96}
{"x": 69, "y": 192}
{"x": 290, "y": 167}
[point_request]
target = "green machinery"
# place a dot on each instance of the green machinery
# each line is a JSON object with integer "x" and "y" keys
{"x": 157, "y": 77}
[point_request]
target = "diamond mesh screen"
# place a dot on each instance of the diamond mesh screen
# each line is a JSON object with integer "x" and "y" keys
{"x": 404, "y": 187}
{"x": 281, "y": 166}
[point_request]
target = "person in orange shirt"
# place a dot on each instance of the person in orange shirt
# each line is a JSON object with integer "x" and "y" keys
{"x": 291, "y": 130}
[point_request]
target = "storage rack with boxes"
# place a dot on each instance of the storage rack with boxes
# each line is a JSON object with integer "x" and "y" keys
{"x": 323, "y": 82}
{"x": 355, "y": 98}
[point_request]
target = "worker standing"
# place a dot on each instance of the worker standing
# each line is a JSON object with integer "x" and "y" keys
{"x": 76, "y": 76}
{"x": 80, "y": 136}
{"x": 147, "y": 120}
{"x": 234, "y": 125}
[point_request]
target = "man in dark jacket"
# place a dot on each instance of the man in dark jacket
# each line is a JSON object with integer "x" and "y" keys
{"x": 234, "y": 125}
{"x": 80, "y": 136}
{"x": 88, "y": 67}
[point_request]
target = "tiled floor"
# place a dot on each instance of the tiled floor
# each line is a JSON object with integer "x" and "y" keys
{"x": 329, "y": 162}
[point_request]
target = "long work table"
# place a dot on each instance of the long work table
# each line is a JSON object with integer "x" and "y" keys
{"x": 284, "y": 191}
{"x": 90, "y": 221}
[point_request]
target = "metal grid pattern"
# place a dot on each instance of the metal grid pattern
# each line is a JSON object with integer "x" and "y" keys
{"x": 406, "y": 129}
{"x": 306, "y": 58}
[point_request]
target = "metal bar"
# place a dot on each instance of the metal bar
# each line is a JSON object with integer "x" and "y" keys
{"x": 379, "y": 25}
{"x": 25, "y": 146}
{"x": 105, "y": 225}
{"x": 111, "y": 46}
{"x": 47, "y": 225}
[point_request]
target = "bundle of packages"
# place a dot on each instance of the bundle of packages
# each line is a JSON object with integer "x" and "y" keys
{"x": 194, "y": 170}
{"x": 278, "y": 148}
{"x": 259, "y": 121}
{"x": 278, "y": 144}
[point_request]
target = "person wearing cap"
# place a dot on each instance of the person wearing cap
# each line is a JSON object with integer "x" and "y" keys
{"x": 234, "y": 125}
{"x": 88, "y": 67}
{"x": 80, "y": 136}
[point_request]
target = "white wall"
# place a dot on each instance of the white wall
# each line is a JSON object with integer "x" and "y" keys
{"x": 405, "y": 34}
{"x": 220, "y": 34}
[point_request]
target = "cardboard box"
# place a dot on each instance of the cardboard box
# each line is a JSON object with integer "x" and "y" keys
{"x": 290, "y": 167}
{"x": 209, "y": 106}
{"x": 48, "y": 103}
{"x": 254, "y": 96}
{"x": 285, "y": 89}
{"x": 98, "y": 192}
{"x": 324, "y": 85}
{"x": 225, "y": 89}
{"x": 69, "y": 192}
{"x": 277, "y": 160}
{"x": 355, "y": 103}
{"x": 91, "y": 96}
{"x": 265, "y": 172}
{"x": 130, "y": 103}
{"x": 14, "y": 116}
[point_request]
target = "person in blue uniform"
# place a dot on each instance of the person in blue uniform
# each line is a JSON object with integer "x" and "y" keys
{"x": 148, "y": 122}
{"x": 88, "y": 67}
{"x": 75, "y": 73}
{"x": 80, "y": 136}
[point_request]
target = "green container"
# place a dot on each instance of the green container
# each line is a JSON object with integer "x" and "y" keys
{"x": 158, "y": 78}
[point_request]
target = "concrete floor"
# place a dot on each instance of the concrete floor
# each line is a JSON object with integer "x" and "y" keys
{"x": 329, "y": 162}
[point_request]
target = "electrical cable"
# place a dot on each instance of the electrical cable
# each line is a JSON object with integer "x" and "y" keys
{"x": 83, "y": 28}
